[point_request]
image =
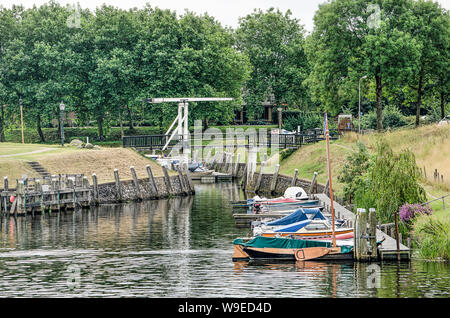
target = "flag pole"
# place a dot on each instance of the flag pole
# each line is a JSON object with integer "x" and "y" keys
{"x": 327, "y": 134}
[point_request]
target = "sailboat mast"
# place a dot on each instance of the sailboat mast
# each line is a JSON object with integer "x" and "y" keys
{"x": 329, "y": 177}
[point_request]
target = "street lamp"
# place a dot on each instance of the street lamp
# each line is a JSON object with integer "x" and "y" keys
{"x": 21, "y": 118}
{"x": 62, "y": 107}
{"x": 359, "y": 104}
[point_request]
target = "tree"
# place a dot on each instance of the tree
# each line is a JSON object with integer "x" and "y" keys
{"x": 352, "y": 39}
{"x": 431, "y": 29}
{"x": 274, "y": 42}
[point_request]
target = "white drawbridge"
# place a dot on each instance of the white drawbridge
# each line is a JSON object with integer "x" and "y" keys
{"x": 180, "y": 125}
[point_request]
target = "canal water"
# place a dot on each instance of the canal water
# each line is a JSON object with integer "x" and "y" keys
{"x": 180, "y": 247}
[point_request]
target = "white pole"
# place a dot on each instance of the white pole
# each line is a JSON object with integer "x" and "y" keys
{"x": 186, "y": 141}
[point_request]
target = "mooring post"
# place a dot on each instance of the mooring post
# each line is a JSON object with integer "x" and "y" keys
{"x": 118, "y": 185}
{"x": 182, "y": 185}
{"x": 188, "y": 178}
{"x": 95, "y": 188}
{"x": 360, "y": 240}
{"x": 258, "y": 181}
{"x": 152, "y": 180}
{"x": 373, "y": 233}
{"x": 20, "y": 190}
{"x": 167, "y": 180}
{"x": 294, "y": 178}
{"x": 313, "y": 181}
{"x": 136, "y": 182}
{"x": 273, "y": 184}
{"x": 5, "y": 198}
{"x": 356, "y": 235}
{"x": 245, "y": 177}
{"x": 236, "y": 165}
{"x": 327, "y": 186}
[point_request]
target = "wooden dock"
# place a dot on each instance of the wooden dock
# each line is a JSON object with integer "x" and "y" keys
{"x": 388, "y": 248}
{"x": 50, "y": 194}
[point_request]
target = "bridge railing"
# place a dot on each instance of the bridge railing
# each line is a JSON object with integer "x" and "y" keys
{"x": 294, "y": 140}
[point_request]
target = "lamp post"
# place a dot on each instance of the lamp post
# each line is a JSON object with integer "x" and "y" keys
{"x": 359, "y": 104}
{"x": 62, "y": 107}
{"x": 21, "y": 118}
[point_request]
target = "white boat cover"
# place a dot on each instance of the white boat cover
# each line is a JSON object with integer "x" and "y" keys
{"x": 296, "y": 193}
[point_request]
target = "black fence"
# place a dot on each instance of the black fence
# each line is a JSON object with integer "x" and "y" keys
{"x": 283, "y": 141}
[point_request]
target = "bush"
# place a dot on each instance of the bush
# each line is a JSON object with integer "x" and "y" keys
{"x": 410, "y": 211}
{"x": 392, "y": 118}
{"x": 292, "y": 119}
{"x": 391, "y": 180}
{"x": 355, "y": 167}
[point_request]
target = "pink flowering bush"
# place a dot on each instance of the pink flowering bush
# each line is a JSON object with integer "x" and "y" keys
{"x": 409, "y": 211}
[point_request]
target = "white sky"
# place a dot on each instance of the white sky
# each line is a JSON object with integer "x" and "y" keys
{"x": 225, "y": 11}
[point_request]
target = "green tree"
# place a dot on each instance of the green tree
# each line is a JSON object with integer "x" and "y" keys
{"x": 430, "y": 28}
{"x": 274, "y": 42}
{"x": 352, "y": 38}
{"x": 391, "y": 180}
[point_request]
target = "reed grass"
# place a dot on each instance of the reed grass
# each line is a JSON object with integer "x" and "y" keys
{"x": 432, "y": 236}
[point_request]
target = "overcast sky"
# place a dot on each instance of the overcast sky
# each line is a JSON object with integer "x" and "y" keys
{"x": 225, "y": 11}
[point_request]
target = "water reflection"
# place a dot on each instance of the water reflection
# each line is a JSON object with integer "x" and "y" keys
{"x": 178, "y": 247}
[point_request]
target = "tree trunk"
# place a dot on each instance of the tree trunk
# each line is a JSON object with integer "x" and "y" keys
{"x": 419, "y": 101}
{"x": 379, "y": 98}
{"x": 100, "y": 128}
{"x": 442, "y": 104}
{"x": 120, "y": 121}
{"x": 39, "y": 129}
{"x": 2, "y": 120}
{"x": 130, "y": 119}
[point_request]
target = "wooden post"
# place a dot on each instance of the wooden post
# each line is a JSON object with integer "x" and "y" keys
{"x": 258, "y": 181}
{"x": 396, "y": 235}
{"x": 182, "y": 185}
{"x": 20, "y": 191}
{"x": 245, "y": 177}
{"x": 327, "y": 185}
{"x": 274, "y": 178}
{"x": 362, "y": 235}
{"x": 294, "y": 178}
{"x": 95, "y": 188}
{"x": 167, "y": 180}
{"x": 5, "y": 198}
{"x": 313, "y": 181}
{"x": 189, "y": 181}
{"x": 236, "y": 165}
{"x": 356, "y": 236}
{"x": 118, "y": 185}
{"x": 5, "y": 184}
{"x": 152, "y": 180}
{"x": 136, "y": 182}
{"x": 373, "y": 234}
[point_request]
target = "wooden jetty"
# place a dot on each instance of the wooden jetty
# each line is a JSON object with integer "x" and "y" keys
{"x": 388, "y": 248}
{"x": 54, "y": 193}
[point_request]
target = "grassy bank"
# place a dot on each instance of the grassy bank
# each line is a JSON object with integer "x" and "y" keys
{"x": 68, "y": 160}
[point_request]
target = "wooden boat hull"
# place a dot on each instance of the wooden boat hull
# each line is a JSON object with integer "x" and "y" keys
{"x": 287, "y": 254}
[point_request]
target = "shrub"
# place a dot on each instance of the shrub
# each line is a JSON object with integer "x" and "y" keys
{"x": 392, "y": 118}
{"x": 391, "y": 181}
{"x": 410, "y": 211}
{"x": 354, "y": 168}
